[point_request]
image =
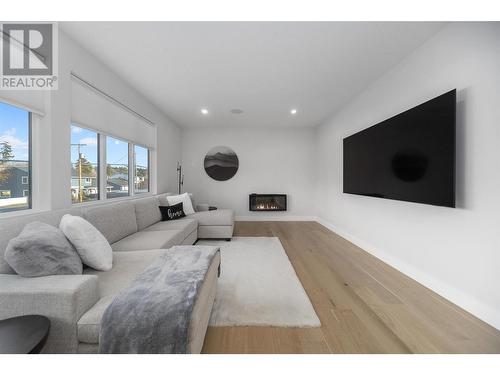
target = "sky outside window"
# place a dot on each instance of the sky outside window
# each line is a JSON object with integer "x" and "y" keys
{"x": 14, "y": 129}
{"x": 87, "y": 137}
{"x": 116, "y": 167}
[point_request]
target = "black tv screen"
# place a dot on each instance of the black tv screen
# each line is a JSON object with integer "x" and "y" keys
{"x": 409, "y": 157}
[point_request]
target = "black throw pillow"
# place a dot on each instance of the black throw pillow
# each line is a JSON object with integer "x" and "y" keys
{"x": 173, "y": 212}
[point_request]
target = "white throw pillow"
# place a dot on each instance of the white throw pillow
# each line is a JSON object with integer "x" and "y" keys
{"x": 187, "y": 205}
{"x": 90, "y": 244}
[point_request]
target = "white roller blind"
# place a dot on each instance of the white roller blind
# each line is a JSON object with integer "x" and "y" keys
{"x": 91, "y": 108}
{"x": 32, "y": 101}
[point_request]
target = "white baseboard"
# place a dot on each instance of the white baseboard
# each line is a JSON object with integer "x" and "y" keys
{"x": 465, "y": 301}
{"x": 275, "y": 218}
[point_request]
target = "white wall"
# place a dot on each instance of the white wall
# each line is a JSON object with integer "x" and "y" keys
{"x": 74, "y": 58}
{"x": 455, "y": 252}
{"x": 270, "y": 161}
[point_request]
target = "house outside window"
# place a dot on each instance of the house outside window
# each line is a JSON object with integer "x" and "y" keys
{"x": 15, "y": 158}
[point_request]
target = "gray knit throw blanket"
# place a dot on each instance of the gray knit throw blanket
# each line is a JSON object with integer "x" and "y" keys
{"x": 152, "y": 314}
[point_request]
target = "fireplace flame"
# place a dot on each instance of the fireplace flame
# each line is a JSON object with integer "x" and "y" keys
{"x": 267, "y": 202}
{"x": 267, "y": 206}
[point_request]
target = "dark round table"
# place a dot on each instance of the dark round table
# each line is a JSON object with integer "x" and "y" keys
{"x": 25, "y": 334}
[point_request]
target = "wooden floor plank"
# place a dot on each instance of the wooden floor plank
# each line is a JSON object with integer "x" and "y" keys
{"x": 364, "y": 305}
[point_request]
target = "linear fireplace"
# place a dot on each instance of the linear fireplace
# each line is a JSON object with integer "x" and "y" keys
{"x": 267, "y": 202}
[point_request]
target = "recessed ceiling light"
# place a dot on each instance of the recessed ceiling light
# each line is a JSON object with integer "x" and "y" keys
{"x": 204, "y": 111}
{"x": 236, "y": 111}
{"x": 293, "y": 111}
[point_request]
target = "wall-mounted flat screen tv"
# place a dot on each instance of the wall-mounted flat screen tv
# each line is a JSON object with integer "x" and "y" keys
{"x": 409, "y": 157}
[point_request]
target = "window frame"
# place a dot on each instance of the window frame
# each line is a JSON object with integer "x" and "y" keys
{"x": 29, "y": 200}
{"x": 102, "y": 167}
{"x": 30, "y": 160}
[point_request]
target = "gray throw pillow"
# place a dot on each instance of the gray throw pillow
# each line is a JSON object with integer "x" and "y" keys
{"x": 42, "y": 250}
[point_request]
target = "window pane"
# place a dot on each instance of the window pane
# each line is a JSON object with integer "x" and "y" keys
{"x": 84, "y": 165}
{"x": 141, "y": 168}
{"x": 15, "y": 166}
{"x": 116, "y": 168}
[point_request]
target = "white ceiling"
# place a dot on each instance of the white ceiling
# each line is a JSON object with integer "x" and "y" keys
{"x": 263, "y": 68}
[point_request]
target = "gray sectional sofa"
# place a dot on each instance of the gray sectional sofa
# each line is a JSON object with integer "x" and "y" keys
{"x": 76, "y": 303}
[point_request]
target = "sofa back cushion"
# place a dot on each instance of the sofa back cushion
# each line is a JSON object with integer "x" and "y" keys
{"x": 10, "y": 227}
{"x": 115, "y": 221}
{"x": 147, "y": 212}
{"x": 162, "y": 198}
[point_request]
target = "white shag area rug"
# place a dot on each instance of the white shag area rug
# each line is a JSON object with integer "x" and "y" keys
{"x": 258, "y": 286}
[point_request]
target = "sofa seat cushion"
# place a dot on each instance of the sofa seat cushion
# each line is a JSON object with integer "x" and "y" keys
{"x": 216, "y": 217}
{"x": 132, "y": 263}
{"x": 126, "y": 266}
{"x": 147, "y": 240}
{"x": 186, "y": 225}
{"x": 89, "y": 324}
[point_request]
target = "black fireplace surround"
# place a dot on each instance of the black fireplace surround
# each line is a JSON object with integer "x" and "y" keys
{"x": 267, "y": 202}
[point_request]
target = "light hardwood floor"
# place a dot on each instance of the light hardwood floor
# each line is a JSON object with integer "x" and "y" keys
{"x": 365, "y": 306}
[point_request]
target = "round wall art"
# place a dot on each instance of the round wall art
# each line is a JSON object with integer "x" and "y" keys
{"x": 221, "y": 163}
